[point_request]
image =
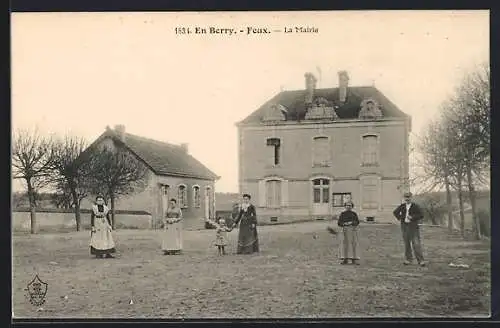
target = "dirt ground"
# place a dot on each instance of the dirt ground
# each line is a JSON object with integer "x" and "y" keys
{"x": 297, "y": 274}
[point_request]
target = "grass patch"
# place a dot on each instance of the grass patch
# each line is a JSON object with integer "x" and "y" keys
{"x": 296, "y": 275}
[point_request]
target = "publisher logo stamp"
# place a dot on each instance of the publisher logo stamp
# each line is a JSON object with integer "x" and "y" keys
{"x": 36, "y": 291}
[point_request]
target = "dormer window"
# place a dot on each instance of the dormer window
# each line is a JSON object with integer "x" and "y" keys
{"x": 370, "y": 109}
{"x": 275, "y": 145}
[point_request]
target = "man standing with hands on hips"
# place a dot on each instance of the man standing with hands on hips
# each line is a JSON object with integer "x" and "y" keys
{"x": 410, "y": 214}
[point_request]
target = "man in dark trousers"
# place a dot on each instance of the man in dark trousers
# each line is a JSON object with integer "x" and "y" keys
{"x": 410, "y": 214}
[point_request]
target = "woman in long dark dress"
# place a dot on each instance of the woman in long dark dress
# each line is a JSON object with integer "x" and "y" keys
{"x": 348, "y": 247}
{"x": 248, "y": 239}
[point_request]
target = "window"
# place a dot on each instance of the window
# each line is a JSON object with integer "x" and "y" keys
{"x": 321, "y": 191}
{"x": 370, "y": 193}
{"x": 370, "y": 150}
{"x": 321, "y": 151}
{"x": 165, "y": 196}
{"x": 273, "y": 193}
{"x": 196, "y": 196}
{"x": 182, "y": 196}
{"x": 275, "y": 145}
{"x": 339, "y": 199}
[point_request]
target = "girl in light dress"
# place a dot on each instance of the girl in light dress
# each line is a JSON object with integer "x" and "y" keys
{"x": 221, "y": 230}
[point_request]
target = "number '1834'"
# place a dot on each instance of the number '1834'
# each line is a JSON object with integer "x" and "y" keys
{"x": 182, "y": 30}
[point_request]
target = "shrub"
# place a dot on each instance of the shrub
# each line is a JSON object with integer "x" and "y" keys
{"x": 484, "y": 218}
{"x": 433, "y": 209}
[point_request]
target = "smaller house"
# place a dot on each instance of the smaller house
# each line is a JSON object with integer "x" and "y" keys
{"x": 172, "y": 173}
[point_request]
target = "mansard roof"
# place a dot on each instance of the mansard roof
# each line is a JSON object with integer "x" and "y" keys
{"x": 294, "y": 102}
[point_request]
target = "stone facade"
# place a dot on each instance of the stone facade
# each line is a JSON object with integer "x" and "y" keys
{"x": 196, "y": 196}
{"x": 298, "y": 170}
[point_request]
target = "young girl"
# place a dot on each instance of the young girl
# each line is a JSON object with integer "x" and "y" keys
{"x": 221, "y": 231}
{"x": 348, "y": 221}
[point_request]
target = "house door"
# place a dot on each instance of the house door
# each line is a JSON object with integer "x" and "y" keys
{"x": 208, "y": 203}
{"x": 321, "y": 197}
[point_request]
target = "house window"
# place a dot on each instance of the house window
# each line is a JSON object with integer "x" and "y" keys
{"x": 370, "y": 150}
{"x": 274, "y": 144}
{"x": 321, "y": 191}
{"x": 321, "y": 151}
{"x": 182, "y": 196}
{"x": 339, "y": 199}
{"x": 273, "y": 193}
{"x": 370, "y": 193}
{"x": 165, "y": 190}
{"x": 196, "y": 197}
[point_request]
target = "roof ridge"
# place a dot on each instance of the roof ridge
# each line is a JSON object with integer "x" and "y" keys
{"x": 333, "y": 88}
{"x": 152, "y": 140}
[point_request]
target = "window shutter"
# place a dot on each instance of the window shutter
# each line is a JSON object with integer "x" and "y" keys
{"x": 284, "y": 193}
{"x": 262, "y": 193}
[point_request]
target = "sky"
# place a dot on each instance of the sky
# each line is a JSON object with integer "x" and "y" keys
{"x": 76, "y": 73}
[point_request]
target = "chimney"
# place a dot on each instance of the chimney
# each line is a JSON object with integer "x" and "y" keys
{"x": 343, "y": 84}
{"x": 120, "y": 131}
{"x": 310, "y": 86}
{"x": 184, "y": 147}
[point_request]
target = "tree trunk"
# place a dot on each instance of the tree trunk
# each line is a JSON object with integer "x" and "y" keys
{"x": 76, "y": 201}
{"x": 32, "y": 201}
{"x": 461, "y": 207}
{"x": 472, "y": 197}
{"x": 448, "y": 204}
{"x": 112, "y": 200}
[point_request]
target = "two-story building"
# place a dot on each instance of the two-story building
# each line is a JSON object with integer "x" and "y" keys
{"x": 303, "y": 153}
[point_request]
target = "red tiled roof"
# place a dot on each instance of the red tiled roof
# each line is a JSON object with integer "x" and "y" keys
{"x": 163, "y": 158}
{"x": 293, "y": 101}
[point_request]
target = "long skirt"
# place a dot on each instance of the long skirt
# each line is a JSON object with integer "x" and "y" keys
{"x": 101, "y": 241}
{"x": 172, "y": 237}
{"x": 348, "y": 247}
{"x": 248, "y": 240}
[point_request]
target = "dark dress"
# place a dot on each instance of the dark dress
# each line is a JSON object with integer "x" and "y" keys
{"x": 248, "y": 240}
{"x": 348, "y": 246}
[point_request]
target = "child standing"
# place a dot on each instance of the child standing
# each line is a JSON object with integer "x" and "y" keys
{"x": 221, "y": 236}
{"x": 221, "y": 230}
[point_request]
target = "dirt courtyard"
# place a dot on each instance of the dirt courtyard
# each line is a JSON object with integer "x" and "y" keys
{"x": 296, "y": 275}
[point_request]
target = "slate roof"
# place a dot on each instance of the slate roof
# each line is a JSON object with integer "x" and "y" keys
{"x": 293, "y": 101}
{"x": 161, "y": 157}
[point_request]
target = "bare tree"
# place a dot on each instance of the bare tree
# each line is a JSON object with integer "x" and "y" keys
{"x": 115, "y": 173}
{"x": 69, "y": 174}
{"x": 32, "y": 160}
{"x": 436, "y": 149}
{"x": 471, "y": 117}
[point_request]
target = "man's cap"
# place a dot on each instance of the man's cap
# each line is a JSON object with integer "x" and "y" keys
{"x": 408, "y": 194}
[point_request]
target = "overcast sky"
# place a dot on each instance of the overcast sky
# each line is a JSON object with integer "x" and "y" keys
{"x": 78, "y": 72}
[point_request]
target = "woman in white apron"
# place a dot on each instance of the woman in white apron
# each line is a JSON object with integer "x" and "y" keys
{"x": 172, "y": 230}
{"x": 101, "y": 240}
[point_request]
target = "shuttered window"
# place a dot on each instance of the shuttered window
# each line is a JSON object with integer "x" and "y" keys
{"x": 321, "y": 151}
{"x": 370, "y": 150}
{"x": 370, "y": 192}
{"x": 273, "y": 193}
